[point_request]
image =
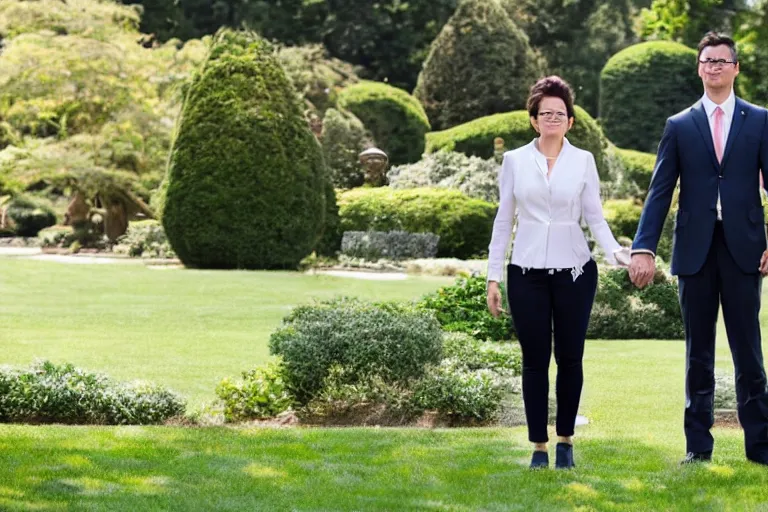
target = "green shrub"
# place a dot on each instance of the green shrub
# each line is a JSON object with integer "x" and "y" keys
{"x": 475, "y": 138}
{"x": 145, "y": 239}
{"x": 622, "y": 311}
{"x": 249, "y": 193}
{"x": 623, "y": 216}
{"x": 455, "y": 391}
{"x": 474, "y": 354}
{"x": 474, "y": 176}
{"x": 330, "y": 238}
{"x": 395, "y": 118}
{"x": 463, "y": 308}
{"x": 344, "y": 137}
{"x": 725, "y": 391}
{"x": 392, "y": 341}
{"x": 260, "y": 394}
{"x": 463, "y": 224}
{"x": 638, "y": 168}
{"x": 50, "y": 393}
{"x": 641, "y": 86}
{"x": 29, "y": 215}
{"x": 480, "y": 64}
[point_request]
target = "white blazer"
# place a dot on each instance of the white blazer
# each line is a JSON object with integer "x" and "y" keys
{"x": 549, "y": 212}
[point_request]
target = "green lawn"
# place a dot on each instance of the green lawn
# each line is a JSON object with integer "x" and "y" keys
{"x": 627, "y": 456}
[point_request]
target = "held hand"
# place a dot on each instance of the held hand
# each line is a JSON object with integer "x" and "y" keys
{"x": 494, "y": 298}
{"x": 642, "y": 268}
{"x": 764, "y": 264}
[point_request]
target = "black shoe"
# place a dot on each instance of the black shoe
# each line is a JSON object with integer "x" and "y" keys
{"x": 564, "y": 456}
{"x": 539, "y": 460}
{"x": 694, "y": 457}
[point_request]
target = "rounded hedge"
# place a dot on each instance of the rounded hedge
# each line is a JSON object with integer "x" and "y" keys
{"x": 641, "y": 86}
{"x": 475, "y": 138}
{"x": 623, "y": 216}
{"x": 395, "y": 118}
{"x": 479, "y": 64}
{"x": 638, "y": 167}
{"x": 246, "y": 178}
{"x": 463, "y": 224}
{"x": 29, "y": 215}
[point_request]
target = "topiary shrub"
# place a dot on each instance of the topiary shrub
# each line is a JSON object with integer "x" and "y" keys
{"x": 623, "y": 216}
{"x": 330, "y": 239}
{"x": 394, "y": 342}
{"x": 29, "y": 215}
{"x": 246, "y": 176}
{"x": 479, "y": 64}
{"x": 475, "y": 138}
{"x": 395, "y": 118}
{"x": 343, "y": 138}
{"x": 622, "y": 311}
{"x": 638, "y": 168}
{"x": 641, "y": 86}
{"x": 463, "y": 224}
{"x": 474, "y": 176}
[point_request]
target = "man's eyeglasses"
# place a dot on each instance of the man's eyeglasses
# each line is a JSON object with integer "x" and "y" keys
{"x": 716, "y": 62}
{"x": 553, "y": 116}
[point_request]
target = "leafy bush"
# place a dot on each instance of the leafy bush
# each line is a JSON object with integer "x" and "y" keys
{"x": 145, "y": 239}
{"x": 623, "y": 216}
{"x": 622, "y": 311}
{"x": 463, "y": 307}
{"x": 455, "y": 391}
{"x": 330, "y": 238}
{"x": 463, "y": 224}
{"x": 462, "y": 78}
{"x": 392, "y": 341}
{"x": 725, "y": 391}
{"x": 261, "y": 394}
{"x": 393, "y": 245}
{"x": 476, "y": 138}
{"x": 29, "y": 215}
{"x": 249, "y": 194}
{"x": 660, "y": 76}
{"x": 343, "y": 138}
{"x": 395, "y": 118}
{"x": 474, "y": 176}
{"x": 474, "y": 354}
{"x": 638, "y": 168}
{"x": 50, "y": 393}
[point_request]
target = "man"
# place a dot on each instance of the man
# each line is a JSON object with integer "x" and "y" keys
{"x": 717, "y": 148}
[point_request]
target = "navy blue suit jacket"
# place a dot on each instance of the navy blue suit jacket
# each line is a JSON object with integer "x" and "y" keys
{"x": 686, "y": 151}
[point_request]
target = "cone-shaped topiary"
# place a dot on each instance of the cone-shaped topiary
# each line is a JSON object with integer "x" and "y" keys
{"x": 246, "y": 178}
{"x": 480, "y": 64}
{"x": 641, "y": 86}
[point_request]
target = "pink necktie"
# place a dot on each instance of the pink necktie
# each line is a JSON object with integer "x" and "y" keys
{"x": 719, "y": 133}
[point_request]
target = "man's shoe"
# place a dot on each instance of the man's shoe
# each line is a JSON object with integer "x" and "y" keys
{"x": 564, "y": 456}
{"x": 539, "y": 460}
{"x": 695, "y": 457}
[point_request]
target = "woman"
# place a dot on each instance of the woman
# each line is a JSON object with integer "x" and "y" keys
{"x": 552, "y": 279}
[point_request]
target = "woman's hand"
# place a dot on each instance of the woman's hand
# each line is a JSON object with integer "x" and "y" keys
{"x": 494, "y": 298}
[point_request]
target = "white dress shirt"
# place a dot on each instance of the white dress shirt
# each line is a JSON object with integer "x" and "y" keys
{"x": 728, "y": 106}
{"x": 549, "y": 211}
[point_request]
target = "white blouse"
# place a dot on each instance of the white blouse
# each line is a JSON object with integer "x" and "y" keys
{"x": 549, "y": 212}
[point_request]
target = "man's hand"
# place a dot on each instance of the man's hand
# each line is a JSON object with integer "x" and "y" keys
{"x": 764, "y": 263}
{"x": 494, "y": 298}
{"x": 642, "y": 268}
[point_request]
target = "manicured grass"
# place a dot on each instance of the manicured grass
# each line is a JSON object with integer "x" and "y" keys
{"x": 186, "y": 329}
{"x": 627, "y": 456}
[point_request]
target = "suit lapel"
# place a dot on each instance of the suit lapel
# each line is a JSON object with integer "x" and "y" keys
{"x": 702, "y": 123}
{"x": 739, "y": 113}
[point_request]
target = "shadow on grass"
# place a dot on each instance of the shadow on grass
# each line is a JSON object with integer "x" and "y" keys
{"x": 115, "y": 469}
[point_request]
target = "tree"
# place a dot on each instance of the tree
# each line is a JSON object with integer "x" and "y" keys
{"x": 480, "y": 64}
{"x": 686, "y": 21}
{"x": 246, "y": 178}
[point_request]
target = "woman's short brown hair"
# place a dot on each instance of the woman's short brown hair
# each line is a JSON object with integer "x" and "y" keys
{"x": 550, "y": 86}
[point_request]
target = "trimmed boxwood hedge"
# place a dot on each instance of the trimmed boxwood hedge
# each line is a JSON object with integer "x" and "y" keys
{"x": 246, "y": 177}
{"x": 475, "y": 138}
{"x": 641, "y": 86}
{"x": 395, "y": 118}
{"x": 463, "y": 224}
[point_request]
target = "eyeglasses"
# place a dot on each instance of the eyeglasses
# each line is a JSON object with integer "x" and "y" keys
{"x": 553, "y": 116}
{"x": 716, "y": 62}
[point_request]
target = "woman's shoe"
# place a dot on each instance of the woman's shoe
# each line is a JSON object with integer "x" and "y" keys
{"x": 539, "y": 460}
{"x": 564, "y": 456}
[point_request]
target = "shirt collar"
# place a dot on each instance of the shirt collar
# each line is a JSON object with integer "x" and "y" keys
{"x": 728, "y": 106}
